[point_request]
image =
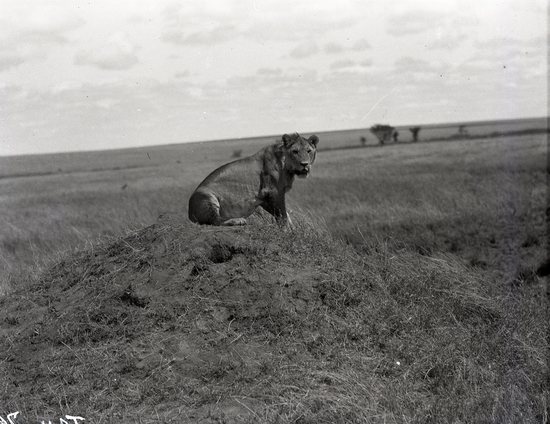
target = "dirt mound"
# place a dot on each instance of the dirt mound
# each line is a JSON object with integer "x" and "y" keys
{"x": 181, "y": 323}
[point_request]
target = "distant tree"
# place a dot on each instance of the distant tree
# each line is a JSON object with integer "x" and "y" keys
{"x": 414, "y": 131}
{"x": 382, "y": 132}
{"x": 363, "y": 140}
{"x": 395, "y": 136}
{"x": 237, "y": 153}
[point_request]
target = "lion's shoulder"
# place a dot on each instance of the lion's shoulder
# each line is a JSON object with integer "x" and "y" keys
{"x": 271, "y": 156}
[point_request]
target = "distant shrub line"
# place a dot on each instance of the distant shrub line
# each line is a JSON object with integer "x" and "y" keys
{"x": 388, "y": 131}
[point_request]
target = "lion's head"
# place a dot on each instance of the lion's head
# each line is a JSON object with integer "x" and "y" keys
{"x": 299, "y": 153}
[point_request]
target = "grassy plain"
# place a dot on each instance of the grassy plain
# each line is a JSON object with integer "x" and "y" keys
{"x": 415, "y": 302}
{"x": 477, "y": 198}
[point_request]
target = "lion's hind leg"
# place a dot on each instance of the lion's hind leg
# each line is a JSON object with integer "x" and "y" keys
{"x": 204, "y": 208}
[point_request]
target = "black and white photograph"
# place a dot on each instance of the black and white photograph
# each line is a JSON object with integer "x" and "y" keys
{"x": 260, "y": 211}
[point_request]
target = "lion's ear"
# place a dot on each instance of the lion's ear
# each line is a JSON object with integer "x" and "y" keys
{"x": 314, "y": 140}
{"x": 286, "y": 140}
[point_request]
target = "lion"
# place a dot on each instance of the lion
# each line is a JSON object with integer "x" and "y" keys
{"x": 232, "y": 192}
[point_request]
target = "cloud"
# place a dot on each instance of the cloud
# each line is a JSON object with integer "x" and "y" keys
{"x": 10, "y": 60}
{"x": 305, "y": 49}
{"x": 182, "y": 74}
{"x": 413, "y": 22}
{"x": 361, "y": 45}
{"x": 269, "y": 72}
{"x": 442, "y": 29}
{"x": 510, "y": 50}
{"x": 507, "y": 43}
{"x": 11, "y": 92}
{"x": 333, "y": 48}
{"x": 342, "y": 64}
{"x": 217, "y": 33}
{"x": 66, "y": 85}
{"x": 217, "y": 21}
{"x": 42, "y": 22}
{"x": 202, "y": 22}
{"x": 116, "y": 54}
{"x": 411, "y": 64}
{"x": 272, "y": 80}
{"x": 107, "y": 103}
{"x": 523, "y": 61}
{"x": 30, "y": 31}
{"x": 410, "y": 71}
{"x": 446, "y": 40}
{"x": 351, "y": 66}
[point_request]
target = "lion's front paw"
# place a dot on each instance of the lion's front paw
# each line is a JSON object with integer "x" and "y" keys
{"x": 235, "y": 221}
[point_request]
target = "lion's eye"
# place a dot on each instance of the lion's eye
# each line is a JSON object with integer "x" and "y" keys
{"x": 309, "y": 150}
{"x": 295, "y": 151}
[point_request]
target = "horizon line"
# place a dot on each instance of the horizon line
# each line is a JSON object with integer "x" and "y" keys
{"x": 245, "y": 138}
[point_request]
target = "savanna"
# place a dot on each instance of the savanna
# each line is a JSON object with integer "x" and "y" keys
{"x": 406, "y": 291}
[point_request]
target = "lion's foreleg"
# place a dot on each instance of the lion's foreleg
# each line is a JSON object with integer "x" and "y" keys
{"x": 274, "y": 203}
{"x": 280, "y": 213}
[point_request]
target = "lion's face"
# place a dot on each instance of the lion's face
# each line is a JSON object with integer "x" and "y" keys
{"x": 299, "y": 153}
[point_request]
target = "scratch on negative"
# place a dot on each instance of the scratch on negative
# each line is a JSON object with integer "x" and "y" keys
{"x": 378, "y": 102}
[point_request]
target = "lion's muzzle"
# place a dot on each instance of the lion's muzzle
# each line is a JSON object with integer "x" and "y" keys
{"x": 304, "y": 172}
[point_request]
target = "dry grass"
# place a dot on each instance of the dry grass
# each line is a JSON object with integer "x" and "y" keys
{"x": 411, "y": 299}
{"x": 259, "y": 325}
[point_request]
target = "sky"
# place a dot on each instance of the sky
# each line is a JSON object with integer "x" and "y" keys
{"x": 100, "y": 74}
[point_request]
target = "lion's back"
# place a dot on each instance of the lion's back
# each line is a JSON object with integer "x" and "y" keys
{"x": 234, "y": 175}
{"x": 232, "y": 188}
